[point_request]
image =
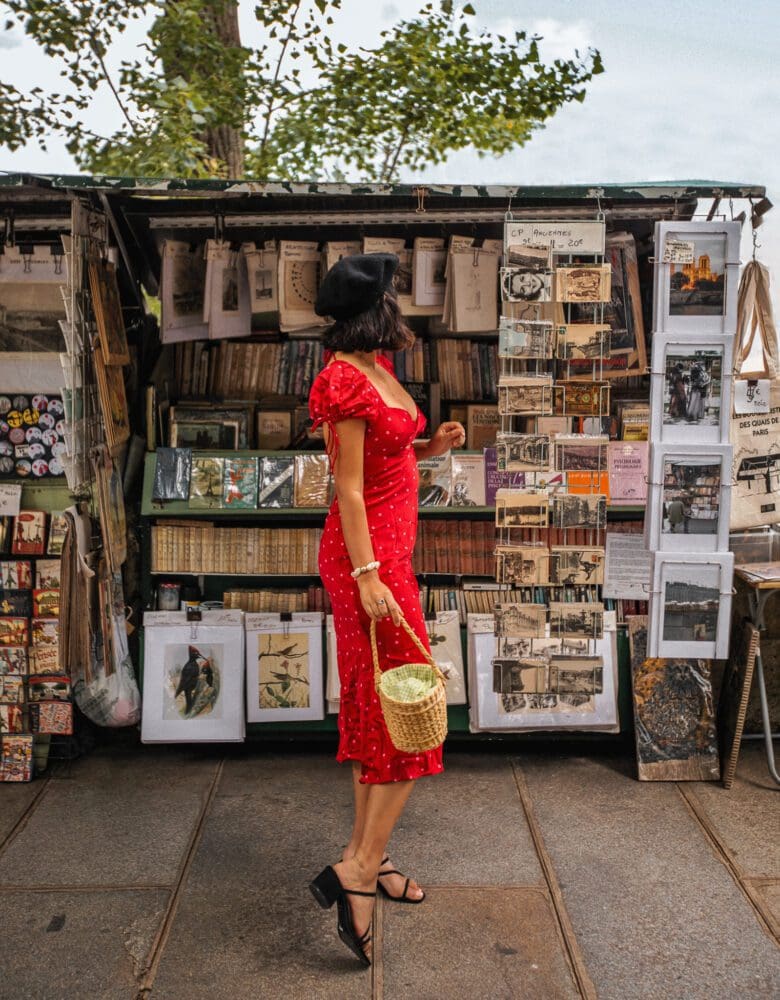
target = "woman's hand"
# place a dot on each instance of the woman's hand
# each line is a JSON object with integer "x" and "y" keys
{"x": 450, "y": 434}
{"x": 377, "y": 598}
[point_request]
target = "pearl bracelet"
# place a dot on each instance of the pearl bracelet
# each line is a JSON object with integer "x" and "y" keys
{"x": 359, "y": 570}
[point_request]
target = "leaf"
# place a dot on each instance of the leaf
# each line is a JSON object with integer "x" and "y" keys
{"x": 469, "y": 9}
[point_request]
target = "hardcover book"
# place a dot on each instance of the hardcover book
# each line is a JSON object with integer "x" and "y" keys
{"x": 482, "y": 424}
{"x": 276, "y": 482}
{"x": 240, "y": 484}
{"x": 496, "y": 479}
{"x": 206, "y": 483}
{"x": 468, "y": 480}
{"x": 29, "y": 533}
{"x": 435, "y": 484}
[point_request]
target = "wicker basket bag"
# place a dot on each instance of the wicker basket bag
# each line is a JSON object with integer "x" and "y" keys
{"x": 413, "y": 699}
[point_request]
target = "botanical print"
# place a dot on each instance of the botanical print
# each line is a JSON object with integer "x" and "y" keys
{"x": 192, "y": 681}
{"x": 283, "y": 670}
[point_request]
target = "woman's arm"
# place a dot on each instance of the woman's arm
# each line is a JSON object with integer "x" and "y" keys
{"x": 450, "y": 434}
{"x": 348, "y": 479}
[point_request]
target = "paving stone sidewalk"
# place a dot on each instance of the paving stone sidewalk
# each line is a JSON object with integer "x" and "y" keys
{"x": 179, "y": 874}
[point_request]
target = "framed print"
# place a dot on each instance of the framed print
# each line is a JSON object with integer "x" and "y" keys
{"x": 580, "y": 678}
{"x": 193, "y": 678}
{"x": 691, "y": 389}
{"x": 697, "y": 277}
{"x": 284, "y": 670}
{"x": 108, "y": 312}
{"x": 689, "y": 499}
{"x": 690, "y": 605}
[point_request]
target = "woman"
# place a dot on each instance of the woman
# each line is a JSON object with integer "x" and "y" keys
{"x": 371, "y": 425}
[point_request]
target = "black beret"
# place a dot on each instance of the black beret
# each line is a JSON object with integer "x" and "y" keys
{"x": 355, "y": 284}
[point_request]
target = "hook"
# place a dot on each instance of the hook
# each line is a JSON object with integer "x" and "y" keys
{"x": 421, "y": 192}
{"x": 508, "y": 217}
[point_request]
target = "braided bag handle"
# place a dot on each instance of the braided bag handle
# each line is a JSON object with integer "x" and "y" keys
{"x": 413, "y": 636}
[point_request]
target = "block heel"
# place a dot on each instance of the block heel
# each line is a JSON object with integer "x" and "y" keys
{"x": 326, "y": 888}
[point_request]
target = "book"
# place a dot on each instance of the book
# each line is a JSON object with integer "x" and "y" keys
{"x": 313, "y": 485}
{"x": 482, "y": 423}
{"x": 276, "y": 482}
{"x": 627, "y": 468}
{"x": 206, "y": 479}
{"x": 274, "y": 429}
{"x": 468, "y": 480}
{"x": 435, "y": 481}
{"x": 172, "y": 470}
{"x": 496, "y": 479}
{"x": 240, "y": 483}
{"x": 29, "y": 533}
{"x": 44, "y": 660}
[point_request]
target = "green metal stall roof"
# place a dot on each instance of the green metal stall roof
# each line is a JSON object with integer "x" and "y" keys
{"x": 622, "y": 191}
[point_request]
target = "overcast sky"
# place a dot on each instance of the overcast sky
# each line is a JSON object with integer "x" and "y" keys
{"x": 690, "y": 92}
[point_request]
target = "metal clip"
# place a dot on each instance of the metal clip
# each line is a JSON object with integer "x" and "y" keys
{"x": 421, "y": 192}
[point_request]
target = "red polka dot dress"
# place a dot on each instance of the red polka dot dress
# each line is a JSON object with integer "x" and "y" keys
{"x": 342, "y": 392}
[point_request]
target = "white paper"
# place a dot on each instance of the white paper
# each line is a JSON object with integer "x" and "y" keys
{"x": 287, "y": 659}
{"x": 627, "y": 567}
{"x": 751, "y": 395}
{"x": 10, "y": 499}
{"x": 563, "y": 237}
{"x": 678, "y": 252}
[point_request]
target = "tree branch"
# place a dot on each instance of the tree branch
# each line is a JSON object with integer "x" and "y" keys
{"x": 389, "y": 169}
{"x": 109, "y": 81}
{"x": 277, "y": 73}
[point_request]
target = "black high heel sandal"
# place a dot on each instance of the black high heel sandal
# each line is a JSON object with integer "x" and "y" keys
{"x": 327, "y": 890}
{"x": 403, "y": 898}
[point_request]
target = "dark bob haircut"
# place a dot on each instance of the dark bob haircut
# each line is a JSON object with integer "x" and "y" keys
{"x": 380, "y": 328}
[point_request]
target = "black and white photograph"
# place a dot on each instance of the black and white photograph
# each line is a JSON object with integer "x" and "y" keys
{"x": 692, "y": 387}
{"x": 523, "y": 452}
{"x": 582, "y": 675}
{"x": 690, "y": 604}
{"x": 521, "y": 284}
{"x": 578, "y": 510}
{"x": 525, "y": 676}
{"x": 589, "y": 341}
{"x": 580, "y": 453}
{"x": 583, "y": 283}
{"x": 689, "y": 499}
{"x": 525, "y": 339}
{"x": 522, "y": 565}
{"x": 521, "y": 620}
{"x": 532, "y": 257}
{"x": 576, "y": 619}
{"x": 570, "y": 565}
{"x": 518, "y": 395}
{"x": 525, "y": 508}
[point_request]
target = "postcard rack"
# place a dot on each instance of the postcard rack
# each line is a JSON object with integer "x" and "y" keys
{"x": 553, "y": 411}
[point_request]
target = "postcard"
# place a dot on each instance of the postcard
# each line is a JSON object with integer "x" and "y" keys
{"x": 11, "y": 689}
{"x": 45, "y": 632}
{"x": 525, "y": 395}
{"x": 522, "y": 676}
{"x": 578, "y": 510}
{"x": 16, "y": 602}
{"x": 522, "y": 508}
{"x": 11, "y": 719}
{"x": 523, "y": 452}
{"x": 522, "y": 565}
{"x": 17, "y": 574}
{"x": 53, "y": 717}
{"x": 584, "y": 283}
{"x": 577, "y": 674}
{"x": 586, "y": 398}
{"x": 47, "y": 574}
{"x": 523, "y": 284}
{"x": 526, "y": 620}
{"x": 571, "y": 565}
{"x": 44, "y": 659}
{"x": 525, "y": 339}
{"x": 580, "y": 453}
{"x": 587, "y": 341}
{"x": 576, "y": 619}
{"x": 531, "y": 256}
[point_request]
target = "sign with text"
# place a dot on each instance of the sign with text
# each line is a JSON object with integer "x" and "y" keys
{"x": 563, "y": 237}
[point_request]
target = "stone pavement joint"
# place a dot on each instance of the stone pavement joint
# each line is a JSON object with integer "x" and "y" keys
{"x": 572, "y": 949}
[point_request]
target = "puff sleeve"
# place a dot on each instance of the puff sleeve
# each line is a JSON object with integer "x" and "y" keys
{"x": 341, "y": 392}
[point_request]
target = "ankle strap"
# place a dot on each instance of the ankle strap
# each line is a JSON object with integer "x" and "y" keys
{"x": 356, "y": 892}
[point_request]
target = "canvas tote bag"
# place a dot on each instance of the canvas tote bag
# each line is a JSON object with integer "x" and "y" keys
{"x": 755, "y": 497}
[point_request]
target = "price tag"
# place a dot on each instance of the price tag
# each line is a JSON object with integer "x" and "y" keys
{"x": 751, "y": 395}
{"x": 10, "y": 499}
{"x": 678, "y": 252}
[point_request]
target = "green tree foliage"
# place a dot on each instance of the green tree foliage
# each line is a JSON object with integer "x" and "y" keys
{"x": 193, "y": 101}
